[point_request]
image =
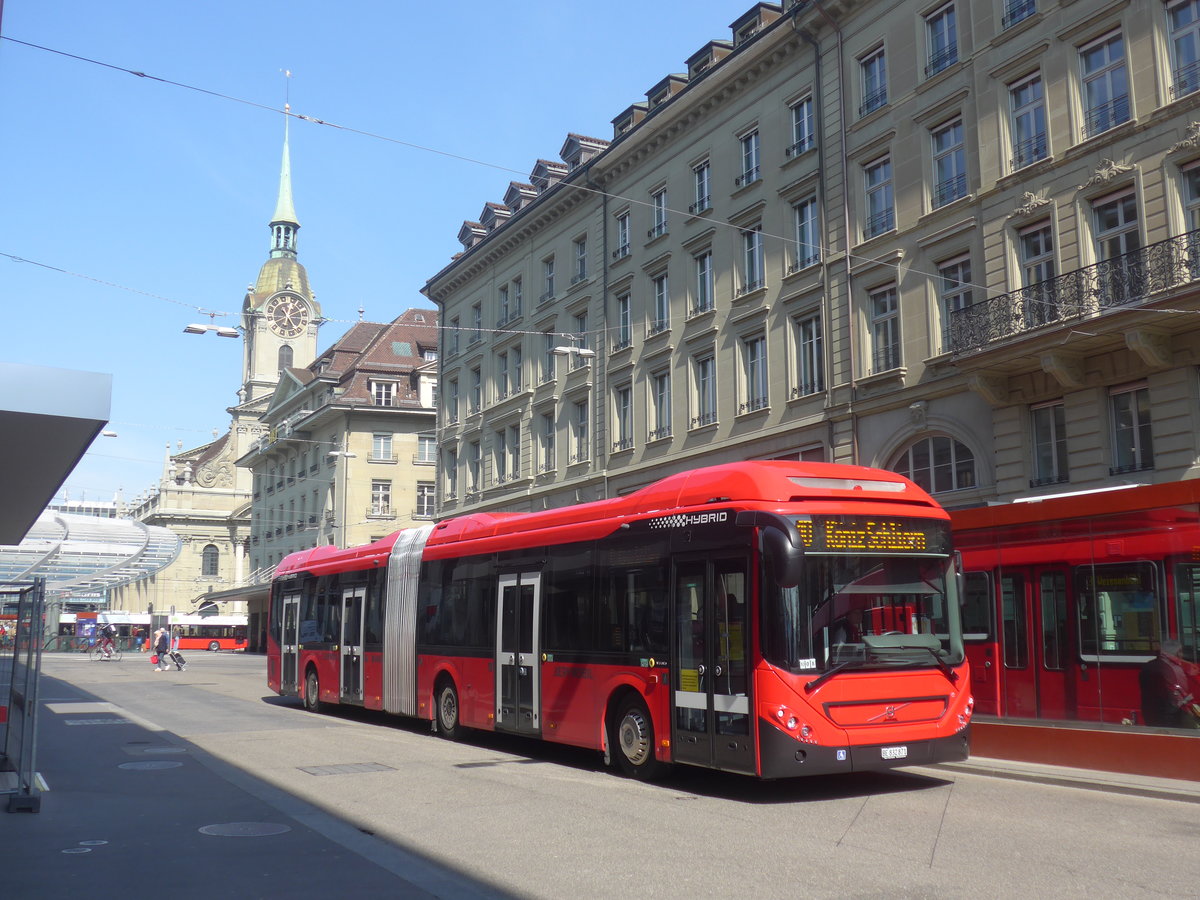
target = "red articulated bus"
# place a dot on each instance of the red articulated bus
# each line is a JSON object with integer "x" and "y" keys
{"x": 1067, "y": 598}
{"x": 769, "y": 618}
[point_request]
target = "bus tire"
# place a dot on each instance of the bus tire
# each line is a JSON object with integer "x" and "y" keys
{"x": 312, "y": 691}
{"x": 446, "y": 710}
{"x": 631, "y": 740}
{"x": 213, "y": 646}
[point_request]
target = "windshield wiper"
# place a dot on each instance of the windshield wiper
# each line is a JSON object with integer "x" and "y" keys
{"x": 829, "y": 673}
{"x": 943, "y": 665}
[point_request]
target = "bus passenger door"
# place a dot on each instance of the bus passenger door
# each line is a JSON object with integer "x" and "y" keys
{"x": 518, "y": 663}
{"x": 352, "y": 644}
{"x": 710, "y": 696}
{"x": 289, "y": 642}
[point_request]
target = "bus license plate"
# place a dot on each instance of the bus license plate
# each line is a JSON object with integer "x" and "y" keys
{"x": 894, "y": 752}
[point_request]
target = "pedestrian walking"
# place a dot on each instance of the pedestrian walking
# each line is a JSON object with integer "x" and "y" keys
{"x": 161, "y": 647}
{"x": 176, "y": 656}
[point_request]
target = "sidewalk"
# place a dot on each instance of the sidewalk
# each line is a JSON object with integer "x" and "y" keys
{"x": 133, "y": 808}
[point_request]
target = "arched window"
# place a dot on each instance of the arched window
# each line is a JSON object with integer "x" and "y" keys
{"x": 210, "y": 563}
{"x": 938, "y": 464}
{"x": 285, "y": 357}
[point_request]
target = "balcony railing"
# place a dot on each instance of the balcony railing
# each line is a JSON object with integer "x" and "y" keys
{"x": 1102, "y": 117}
{"x": 1124, "y": 280}
{"x": 1185, "y": 80}
{"x": 942, "y": 59}
{"x": 1018, "y": 11}
{"x": 953, "y": 188}
{"x": 1029, "y": 151}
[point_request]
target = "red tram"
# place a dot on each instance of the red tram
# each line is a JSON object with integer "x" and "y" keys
{"x": 1067, "y": 598}
{"x": 769, "y": 618}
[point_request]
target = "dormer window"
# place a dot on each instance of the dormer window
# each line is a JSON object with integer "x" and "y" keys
{"x": 384, "y": 393}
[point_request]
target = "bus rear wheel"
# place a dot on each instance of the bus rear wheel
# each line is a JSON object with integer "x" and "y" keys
{"x": 632, "y": 741}
{"x": 447, "y": 711}
{"x": 214, "y": 646}
{"x": 312, "y": 691}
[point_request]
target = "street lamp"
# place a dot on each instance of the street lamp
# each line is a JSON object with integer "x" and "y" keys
{"x": 582, "y": 352}
{"x": 221, "y": 330}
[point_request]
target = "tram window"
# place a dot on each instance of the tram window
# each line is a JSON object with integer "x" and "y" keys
{"x": 1053, "y": 591}
{"x": 1187, "y": 593}
{"x": 1118, "y": 609}
{"x": 1016, "y": 627}
{"x": 977, "y": 606}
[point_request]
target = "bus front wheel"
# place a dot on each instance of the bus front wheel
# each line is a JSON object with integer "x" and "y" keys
{"x": 632, "y": 740}
{"x": 447, "y": 711}
{"x": 312, "y": 691}
{"x": 214, "y": 646}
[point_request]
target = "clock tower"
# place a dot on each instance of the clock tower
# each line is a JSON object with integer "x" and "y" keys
{"x": 280, "y": 314}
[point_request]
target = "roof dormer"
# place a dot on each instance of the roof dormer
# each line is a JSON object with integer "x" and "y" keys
{"x": 471, "y": 234}
{"x": 577, "y": 150}
{"x": 628, "y": 119}
{"x": 665, "y": 90}
{"x": 754, "y": 20}
{"x": 546, "y": 174}
{"x": 707, "y": 57}
{"x": 519, "y": 195}
{"x": 494, "y": 215}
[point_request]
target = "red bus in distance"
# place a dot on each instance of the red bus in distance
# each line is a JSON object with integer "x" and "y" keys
{"x": 775, "y": 619}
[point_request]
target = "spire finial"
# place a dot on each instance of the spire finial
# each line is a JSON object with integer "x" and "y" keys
{"x": 284, "y": 224}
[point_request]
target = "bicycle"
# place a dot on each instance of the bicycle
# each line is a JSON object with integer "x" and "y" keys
{"x": 97, "y": 652}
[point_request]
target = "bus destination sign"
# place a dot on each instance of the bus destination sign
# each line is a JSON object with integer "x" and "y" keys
{"x": 869, "y": 534}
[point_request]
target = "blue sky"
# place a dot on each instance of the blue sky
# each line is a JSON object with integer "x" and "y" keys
{"x": 136, "y": 203}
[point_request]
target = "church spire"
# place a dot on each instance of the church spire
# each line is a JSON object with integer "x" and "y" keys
{"x": 283, "y": 224}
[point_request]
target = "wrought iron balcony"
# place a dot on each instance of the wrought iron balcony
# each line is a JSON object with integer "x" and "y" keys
{"x": 1122, "y": 281}
{"x": 1018, "y": 11}
{"x": 1103, "y": 116}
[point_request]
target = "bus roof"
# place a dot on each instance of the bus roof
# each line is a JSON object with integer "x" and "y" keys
{"x": 760, "y": 484}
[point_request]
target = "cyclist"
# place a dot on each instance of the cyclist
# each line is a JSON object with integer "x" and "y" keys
{"x": 108, "y": 639}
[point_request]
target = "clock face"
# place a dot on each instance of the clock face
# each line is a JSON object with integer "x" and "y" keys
{"x": 288, "y": 315}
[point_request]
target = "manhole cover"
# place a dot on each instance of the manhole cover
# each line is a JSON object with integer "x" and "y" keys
{"x": 245, "y": 829}
{"x": 151, "y": 764}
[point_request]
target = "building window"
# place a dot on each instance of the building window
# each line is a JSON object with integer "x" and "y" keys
{"x": 383, "y": 392}
{"x": 476, "y": 390}
{"x": 810, "y": 362}
{"x": 474, "y": 463}
{"x": 622, "y": 236}
{"x": 1017, "y": 11}
{"x": 873, "y": 67}
{"x": 210, "y": 562}
{"x": 942, "y": 34}
{"x": 1133, "y": 445}
{"x": 751, "y": 168}
{"x": 1191, "y": 199}
{"x": 501, "y": 457}
{"x": 658, "y": 204}
{"x": 938, "y": 464}
{"x": 546, "y": 443}
{"x": 548, "y": 357}
{"x": 1105, "y": 84}
{"x": 954, "y": 292}
{"x": 660, "y": 318}
{"x": 624, "y": 322}
{"x": 514, "y": 451}
{"x": 754, "y": 374}
{"x": 381, "y": 446}
{"x": 515, "y": 378}
{"x": 578, "y": 360}
{"x": 580, "y": 260}
{"x": 1184, "y": 21}
{"x": 752, "y": 260}
{"x": 1036, "y": 244}
{"x": 502, "y": 303}
{"x": 885, "y": 329}
{"x": 1028, "y": 109}
{"x": 516, "y": 297}
{"x": 454, "y": 330}
{"x": 1048, "y": 423}
{"x": 704, "y": 283}
{"x": 804, "y": 132}
{"x": 703, "y": 188}
{"x": 426, "y": 448}
{"x": 501, "y": 376}
{"x": 881, "y": 211}
{"x": 451, "y": 474}
{"x": 660, "y": 386}
{"x": 452, "y": 407}
{"x": 1121, "y": 278}
{"x": 579, "y": 432}
{"x": 477, "y": 322}
{"x": 949, "y": 164}
{"x": 808, "y": 244}
{"x": 547, "y": 279}
{"x": 425, "y": 493}
{"x": 381, "y": 497}
{"x": 623, "y": 417}
{"x": 704, "y": 371}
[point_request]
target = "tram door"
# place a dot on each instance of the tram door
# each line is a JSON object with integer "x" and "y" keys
{"x": 352, "y": 644}
{"x": 711, "y": 720}
{"x": 1019, "y": 682}
{"x": 518, "y": 663}
{"x": 1051, "y": 650}
{"x": 289, "y": 642}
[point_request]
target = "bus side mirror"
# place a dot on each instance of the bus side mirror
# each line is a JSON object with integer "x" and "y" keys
{"x": 786, "y": 561}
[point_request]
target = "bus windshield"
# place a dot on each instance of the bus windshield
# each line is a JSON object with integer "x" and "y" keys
{"x": 865, "y": 613}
